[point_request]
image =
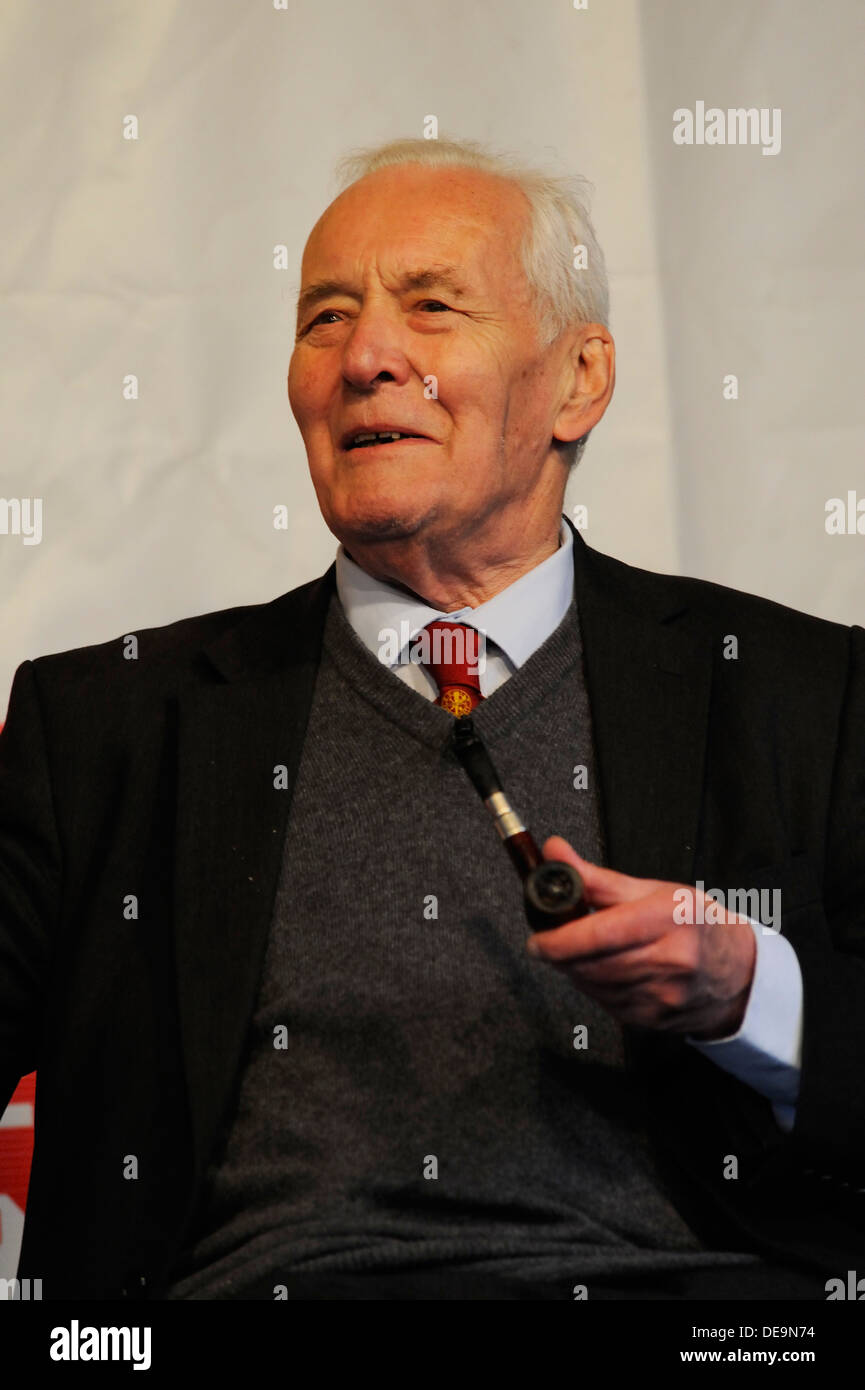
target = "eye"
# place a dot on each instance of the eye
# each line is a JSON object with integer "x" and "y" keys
{"x": 435, "y": 304}
{"x": 318, "y": 319}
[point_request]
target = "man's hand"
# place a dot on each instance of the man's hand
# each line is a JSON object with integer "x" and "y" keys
{"x": 633, "y": 957}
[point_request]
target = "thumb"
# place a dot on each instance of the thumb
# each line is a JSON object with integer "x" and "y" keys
{"x": 604, "y": 887}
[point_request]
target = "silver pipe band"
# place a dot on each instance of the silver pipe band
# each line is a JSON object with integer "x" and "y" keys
{"x": 507, "y": 821}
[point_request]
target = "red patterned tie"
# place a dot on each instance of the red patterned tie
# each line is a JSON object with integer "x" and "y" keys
{"x": 454, "y": 651}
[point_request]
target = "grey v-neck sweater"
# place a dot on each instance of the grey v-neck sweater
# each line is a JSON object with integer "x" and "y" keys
{"x": 411, "y": 1093}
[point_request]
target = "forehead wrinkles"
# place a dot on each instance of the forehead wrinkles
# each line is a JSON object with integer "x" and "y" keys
{"x": 395, "y": 262}
{"x": 371, "y": 238}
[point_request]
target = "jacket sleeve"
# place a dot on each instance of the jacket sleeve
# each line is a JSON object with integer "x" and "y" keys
{"x": 30, "y": 878}
{"x": 829, "y": 1130}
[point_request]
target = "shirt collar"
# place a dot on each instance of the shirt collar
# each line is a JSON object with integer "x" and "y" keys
{"x": 518, "y": 619}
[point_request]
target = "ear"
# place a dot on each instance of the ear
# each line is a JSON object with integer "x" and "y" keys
{"x": 589, "y": 376}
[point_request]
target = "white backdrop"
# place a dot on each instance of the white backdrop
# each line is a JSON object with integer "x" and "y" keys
{"x": 154, "y": 257}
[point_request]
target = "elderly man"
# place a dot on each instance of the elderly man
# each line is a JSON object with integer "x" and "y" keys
{"x": 335, "y": 1061}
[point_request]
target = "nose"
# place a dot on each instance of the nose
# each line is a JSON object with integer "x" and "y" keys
{"x": 374, "y": 349}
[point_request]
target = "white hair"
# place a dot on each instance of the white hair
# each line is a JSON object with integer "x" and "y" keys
{"x": 558, "y": 223}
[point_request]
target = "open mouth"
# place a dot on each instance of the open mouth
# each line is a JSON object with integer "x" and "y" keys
{"x": 368, "y": 439}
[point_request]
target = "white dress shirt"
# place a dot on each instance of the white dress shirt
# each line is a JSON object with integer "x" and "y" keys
{"x": 766, "y": 1052}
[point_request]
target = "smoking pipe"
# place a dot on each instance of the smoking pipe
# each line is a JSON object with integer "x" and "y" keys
{"x": 553, "y": 891}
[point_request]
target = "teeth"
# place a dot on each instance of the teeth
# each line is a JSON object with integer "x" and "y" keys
{"x": 368, "y": 438}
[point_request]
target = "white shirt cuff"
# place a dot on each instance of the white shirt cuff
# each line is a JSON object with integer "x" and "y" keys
{"x": 766, "y": 1052}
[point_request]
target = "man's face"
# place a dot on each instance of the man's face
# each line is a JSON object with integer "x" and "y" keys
{"x": 416, "y": 276}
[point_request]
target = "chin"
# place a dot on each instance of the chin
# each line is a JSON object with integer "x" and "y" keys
{"x": 366, "y": 515}
{"x": 366, "y": 530}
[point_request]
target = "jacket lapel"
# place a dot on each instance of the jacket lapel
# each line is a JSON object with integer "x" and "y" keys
{"x": 648, "y": 670}
{"x": 247, "y": 717}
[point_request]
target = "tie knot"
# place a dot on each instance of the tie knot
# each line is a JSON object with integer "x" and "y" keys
{"x": 452, "y": 653}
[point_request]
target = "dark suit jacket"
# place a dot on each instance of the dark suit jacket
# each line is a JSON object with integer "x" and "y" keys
{"x": 154, "y": 778}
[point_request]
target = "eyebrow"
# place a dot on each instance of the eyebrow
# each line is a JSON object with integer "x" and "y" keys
{"x": 430, "y": 277}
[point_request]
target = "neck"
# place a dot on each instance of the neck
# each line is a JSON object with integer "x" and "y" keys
{"x": 460, "y": 572}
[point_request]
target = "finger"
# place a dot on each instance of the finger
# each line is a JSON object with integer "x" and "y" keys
{"x": 604, "y": 887}
{"x": 623, "y": 927}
